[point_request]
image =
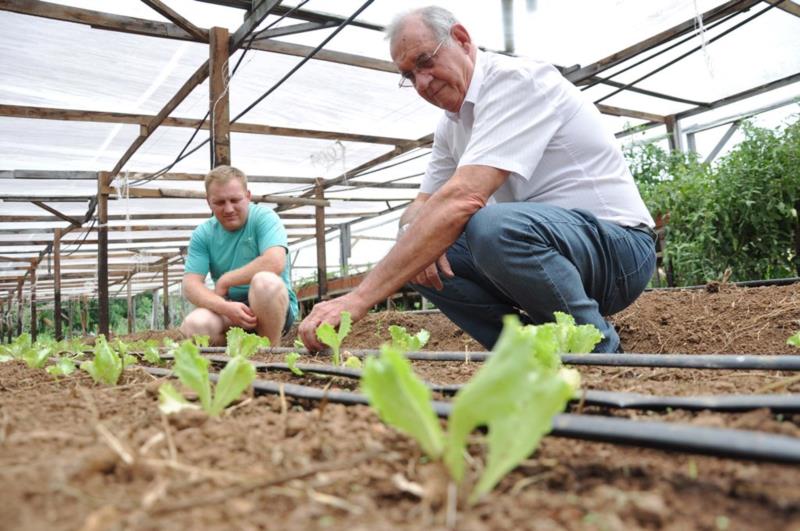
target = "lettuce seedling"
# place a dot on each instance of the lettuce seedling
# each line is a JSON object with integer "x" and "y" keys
{"x": 405, "y": 341}
{"x": 352, "y": 362}
{"x": 794, "y": 340}
{"x": 150, "y": 352}
{"x": 515, "y": 395}
{"x": 402, "y": 399}
{"x": 106, "y": 366}
{"x": 291, "y": 360}
{"x": 63, "y": 367}
{"x": 333, "y": 338}
{"x": 240, "y": 343}
{"x": 192, "y": 370}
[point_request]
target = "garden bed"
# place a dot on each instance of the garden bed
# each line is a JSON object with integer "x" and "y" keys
{"x": 74, "y": 455}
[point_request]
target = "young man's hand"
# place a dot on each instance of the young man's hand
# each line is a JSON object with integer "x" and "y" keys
{"x": 240, "y": 315}
{"x": 221, "y": 286}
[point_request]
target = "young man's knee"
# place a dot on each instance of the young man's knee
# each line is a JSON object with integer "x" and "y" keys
{"x": 200, "y": 322}
{"x": 268, "y": 287}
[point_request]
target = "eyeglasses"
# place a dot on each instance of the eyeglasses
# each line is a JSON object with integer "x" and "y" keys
{"x": 423, "y": 62}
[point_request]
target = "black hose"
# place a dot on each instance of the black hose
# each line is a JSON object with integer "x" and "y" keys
{"x": 717, "y": 442}
{"x": 785, "y": 362}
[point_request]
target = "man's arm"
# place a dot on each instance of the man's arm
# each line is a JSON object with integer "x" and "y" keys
{"x": 195, "y": 290}
{"x": 437, "y": 223}
{"x": 273, "y": 259}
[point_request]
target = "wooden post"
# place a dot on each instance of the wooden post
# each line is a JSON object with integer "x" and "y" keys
{"x": 674, "y": 132}
{"x": 70, "y": 316}
{"x": 57, "y": 283}
{"x": 218, "y": 97}
{"x": 19, "y": 306}
{"x": 131, "y": 307}
{"x": 345, "y": 248}
{"x": 322, "y": 266}
{"x": 103, "y": 180}
{"x": 10, "y": 319}
{"x": 34, "y": 331}
{"x": 166, "y": 294}
{"x": 83, "y": 311}
{"x": 797, "y": 239}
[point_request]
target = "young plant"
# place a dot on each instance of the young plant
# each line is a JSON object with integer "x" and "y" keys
{"x": 291, "y": 360}
{"x": 794, "y": 340}
{"x": 107, "y": 364}
{"x": 333, "y": 338}
{"x": 63, "y": 367}
{"x": 405, "y": 341}
{"x": 515, "y": 395}
{"x": 192, "y": 371}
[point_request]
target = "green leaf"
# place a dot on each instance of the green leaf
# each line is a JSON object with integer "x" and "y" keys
{"x": 150, "y": 352}
{"x": 353, "y": 362}
{"x": 405, "y": 341}
{"x": 298, "y": 344}
{"x": 237, "y": 376}
{"x": 794, "y": 340}
{"x": 327, "y": 334}
{"x": 401, "y": 399}
{"x": 106, "y": 366}
{"x": 345, "y": 322}
{"x": 515, "y": 434}
{"x": 6, "y": 357}
{"x": 291, "y": 360}
{"x": 63, "y": 367}
{"x": 201, "y": 341}
{"x": 171, "y": 401}
{"x": 37, "y": 355}
{"x": 192, "y": 370}
{"x": 241, "y": 343}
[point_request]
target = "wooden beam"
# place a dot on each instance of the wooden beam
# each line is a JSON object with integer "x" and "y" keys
{"x": 260, "y": 10}
{"x": 294, "y": 29}
{"x": 152, "y": 28}
{"x": 165, "y": 286}
{"x": 196, "y": 79}
{"x": 321, "y": 16}
{"x": 57, "y": 283}
{"x": 690, "y": 25}
{"x": 46, "y": 113}
{"x": 192, "y": 194}
{"x": 322, "y": 276}
{"x": 218, "y": 98}
{"x": 70, "y": 220}
{"x": 618, "y": 111}
{"x": 167, "y": 12}
{"x": 34, "y": 328}
{"x": 102, "y": 253}
{"x": 788, "y": 6}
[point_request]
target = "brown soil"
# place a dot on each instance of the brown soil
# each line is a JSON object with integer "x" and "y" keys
{"x": 74, "y": 455}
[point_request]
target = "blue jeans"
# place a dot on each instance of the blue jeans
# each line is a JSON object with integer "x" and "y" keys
{"x": 533, "y": 259}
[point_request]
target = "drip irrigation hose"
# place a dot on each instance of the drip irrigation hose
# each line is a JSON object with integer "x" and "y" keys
{"x": 741, "y": 284}
{"x": 786, "y": 362}
{"x": 777, "y": 403}
{"x": 717, "y": 442}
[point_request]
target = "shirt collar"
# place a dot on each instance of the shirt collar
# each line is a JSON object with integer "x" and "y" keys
{"x": 474, "y": 86}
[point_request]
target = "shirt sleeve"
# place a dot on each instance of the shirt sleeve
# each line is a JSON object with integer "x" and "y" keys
{"x": 442, "y": 165}
{"x": 515, "y": 119}
{"x": 270, "y": 231}
{"x": 198, "y": 259}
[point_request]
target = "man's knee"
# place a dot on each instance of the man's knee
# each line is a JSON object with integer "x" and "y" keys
{"x": 269, "y": 288}
{"x": 201, "y": 321}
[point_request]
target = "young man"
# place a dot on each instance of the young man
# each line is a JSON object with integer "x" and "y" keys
{"x": 526, "y": 207}
{"x": 244, "y": 248}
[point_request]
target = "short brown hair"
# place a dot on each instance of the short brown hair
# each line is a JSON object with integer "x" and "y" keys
{"x": 223, "y": 174}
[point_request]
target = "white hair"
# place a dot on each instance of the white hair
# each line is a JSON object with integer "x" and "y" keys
{"x": 437, "y": 19}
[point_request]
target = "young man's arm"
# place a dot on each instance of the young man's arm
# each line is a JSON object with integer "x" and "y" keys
{"x": 273, "y": 260}
{"x": 195, "y": 290}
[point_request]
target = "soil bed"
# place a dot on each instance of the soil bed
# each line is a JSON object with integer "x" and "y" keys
{"x": 78, "y": 456}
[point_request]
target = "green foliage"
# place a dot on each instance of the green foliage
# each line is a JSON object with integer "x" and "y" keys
{"x": 515, "y": 395}
{"x": 333, "y": 338}
{"x": 192, "y": 371}
{"x": 405, "y": 341}
{"x": 740, "y": 213}
{"x": 402, "y": 399}
{"x": 353, "y": 362}
{"x": 63, "y": 367}
{"x": 241, "y": 343}
{"x": 291, "y": 360}
{"x": 106, "y": 366}
{"x": 794, "y": 340}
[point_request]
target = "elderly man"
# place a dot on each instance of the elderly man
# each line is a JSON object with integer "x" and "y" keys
{"x": 244, "y": 248}
{"x": 526, "y": 207}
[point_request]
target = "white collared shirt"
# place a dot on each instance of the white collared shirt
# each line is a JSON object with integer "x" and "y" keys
{"x": 522, "y": 116}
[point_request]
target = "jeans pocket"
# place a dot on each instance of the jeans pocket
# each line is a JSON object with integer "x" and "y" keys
{"x": 636, "y": 260}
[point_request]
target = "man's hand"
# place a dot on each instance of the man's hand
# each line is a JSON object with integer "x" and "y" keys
{"x": 329, "y": 312}
{"x": 430, "y": 276}
{"x": 240, "y": 315}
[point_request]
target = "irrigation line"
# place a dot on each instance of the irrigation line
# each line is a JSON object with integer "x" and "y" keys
{"x": 741, "y": 284}
{"x": 787, "y": 362}
{"x": 777, "y": 403}
{"x": 717, "y": 442}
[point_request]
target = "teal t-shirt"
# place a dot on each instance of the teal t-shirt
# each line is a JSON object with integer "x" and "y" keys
{"x": 215, "y": 250}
